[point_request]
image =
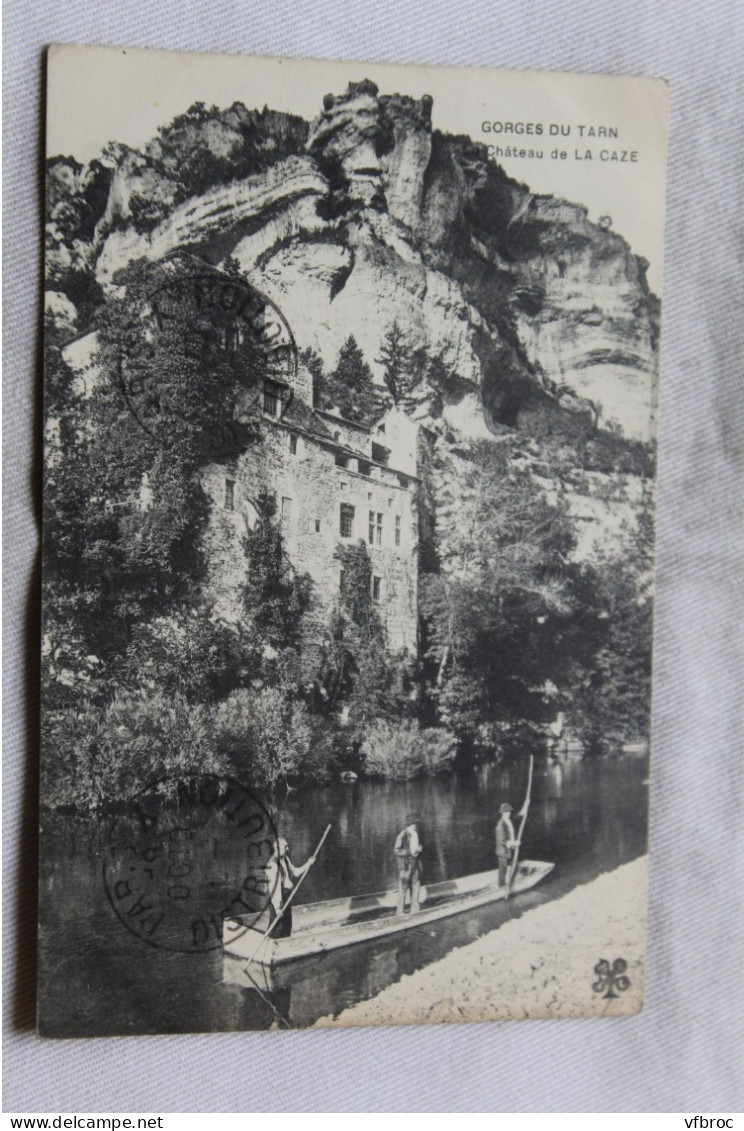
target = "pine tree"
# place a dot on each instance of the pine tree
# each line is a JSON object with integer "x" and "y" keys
{"x": 395, "y": 357}
{"x": 350, "y": 387}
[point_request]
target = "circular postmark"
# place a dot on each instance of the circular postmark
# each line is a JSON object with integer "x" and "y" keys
{"x": 189, "y": 854}
{"x": 209, "y": 350}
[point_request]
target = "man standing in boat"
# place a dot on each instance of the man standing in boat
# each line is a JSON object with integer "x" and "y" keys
{"x": 506, "y": 841}
{"x": 408, "y": 849}
{"x": 281, "y": 877}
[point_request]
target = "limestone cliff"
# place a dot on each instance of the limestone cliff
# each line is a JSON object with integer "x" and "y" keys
{"x": 369, "y": 216}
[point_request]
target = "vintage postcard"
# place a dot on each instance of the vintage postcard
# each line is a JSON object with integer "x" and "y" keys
{"x": 351, "y": 378}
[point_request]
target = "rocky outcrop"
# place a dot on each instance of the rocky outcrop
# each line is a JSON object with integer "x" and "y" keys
{"x": 369, "y": 216}
{"x": 273, "y": 206}
{"x": 380, "y": 148}
{"x": 586, "y": 320}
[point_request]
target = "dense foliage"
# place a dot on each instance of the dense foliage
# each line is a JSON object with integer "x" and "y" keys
{"x": 522, "y": 641}
{"x": 349, "y": 388}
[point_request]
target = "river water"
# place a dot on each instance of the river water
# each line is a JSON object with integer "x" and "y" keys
{"x": 97, "y": 978}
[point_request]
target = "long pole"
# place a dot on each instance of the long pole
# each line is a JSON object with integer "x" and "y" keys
{"x": 291, "y": 895}
{"x": 525, "y": 810}
{"x": 265, "y": 997}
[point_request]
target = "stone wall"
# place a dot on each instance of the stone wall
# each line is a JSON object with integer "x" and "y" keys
{"x": 301, "y": 470}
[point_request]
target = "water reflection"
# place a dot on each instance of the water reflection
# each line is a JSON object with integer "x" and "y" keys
{"x": 586, "y": 817}
{"x": 323, "y": 985}
{"x": 580, "y": 808}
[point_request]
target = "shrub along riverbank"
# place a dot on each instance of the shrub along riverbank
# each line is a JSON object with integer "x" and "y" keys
{"x": 515, "y": 632}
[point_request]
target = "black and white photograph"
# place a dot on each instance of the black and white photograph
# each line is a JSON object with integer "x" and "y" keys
{"x": 348, "y": 534}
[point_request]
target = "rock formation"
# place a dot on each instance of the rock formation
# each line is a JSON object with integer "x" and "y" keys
{"x": 370, "y": 216}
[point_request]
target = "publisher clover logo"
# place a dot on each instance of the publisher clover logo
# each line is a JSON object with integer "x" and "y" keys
{"x": 611, "y": 978}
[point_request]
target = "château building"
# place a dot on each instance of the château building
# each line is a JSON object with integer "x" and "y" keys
{"x": 335, "y": 483}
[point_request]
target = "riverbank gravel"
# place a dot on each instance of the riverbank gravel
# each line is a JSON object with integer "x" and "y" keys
{"x": 538, "y": 966}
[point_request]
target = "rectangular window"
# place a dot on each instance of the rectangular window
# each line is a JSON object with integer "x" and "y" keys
{"x": 229, "y": 495}
{"x": 379, "y": 454}
{"x": 397, "y": 530}
{"x": 317, "y": 526}
{"x": 376, "y": 586}
{"x": 286, "y": 510}
{"x": 378, "y": 532}
{"x": 346, "y": 526}
{"x": 271, "y": 399}
{"x": 341, "y": 579}
{"x": 364, "y": 467}
{"x": 371, "y": 527}
{"x": 293, "y": 443}
{"x": 342, "y": 461}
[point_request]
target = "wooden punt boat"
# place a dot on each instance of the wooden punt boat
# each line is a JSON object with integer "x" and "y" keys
{"x": 334, "y": 923}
